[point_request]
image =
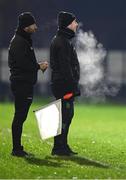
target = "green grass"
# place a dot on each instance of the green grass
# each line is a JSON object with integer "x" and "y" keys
{"x": 98, "y": 133}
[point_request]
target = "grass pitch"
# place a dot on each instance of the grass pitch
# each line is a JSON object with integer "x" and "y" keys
{"x": 97, "y": 133}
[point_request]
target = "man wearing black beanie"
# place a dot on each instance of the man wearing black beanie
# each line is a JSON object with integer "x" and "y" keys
{"x": 23, "y": 68}
{"x": 64, "y": 77}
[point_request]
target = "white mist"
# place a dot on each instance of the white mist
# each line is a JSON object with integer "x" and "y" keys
{"x": 91, "y": 55}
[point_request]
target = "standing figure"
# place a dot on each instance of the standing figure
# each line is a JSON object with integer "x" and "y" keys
{"x": 23, "y": 68}
{"x": 65, "y": 73}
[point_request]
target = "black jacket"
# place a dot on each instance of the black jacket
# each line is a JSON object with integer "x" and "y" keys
{"x": 64, "y": 64}
{"x": 21, "y": 58}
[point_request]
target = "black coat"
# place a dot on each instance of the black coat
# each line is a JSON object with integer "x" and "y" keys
{"x": 21, "y": 58}
{"x": 64, "y": 64}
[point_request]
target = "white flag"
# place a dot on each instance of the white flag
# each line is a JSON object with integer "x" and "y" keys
{"x": 49, "y": 119}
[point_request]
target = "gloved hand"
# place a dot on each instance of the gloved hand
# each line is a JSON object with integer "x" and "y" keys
{"x": 68, "y": 96}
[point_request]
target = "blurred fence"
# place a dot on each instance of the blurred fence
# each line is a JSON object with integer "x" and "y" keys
{"x": 115, "y": 68}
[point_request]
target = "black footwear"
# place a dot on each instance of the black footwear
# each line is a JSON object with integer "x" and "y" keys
{"x": 70, "y": 150}
{"x": 19, "y": 153}
{"x": 60, "y": 152}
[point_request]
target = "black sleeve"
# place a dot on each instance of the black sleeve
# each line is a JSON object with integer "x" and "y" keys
{"x": 64, "y": 61}
{"x": 23, "y": 59}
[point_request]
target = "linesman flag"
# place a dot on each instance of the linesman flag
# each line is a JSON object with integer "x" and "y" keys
{"x": 49, "y": 119}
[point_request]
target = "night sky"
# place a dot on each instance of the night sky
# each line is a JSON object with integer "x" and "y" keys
{"x": 105, "y": 18}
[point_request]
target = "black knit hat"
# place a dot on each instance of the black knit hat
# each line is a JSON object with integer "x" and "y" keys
{"x": 65, "y": 18}
{"x": 26, "y": 19}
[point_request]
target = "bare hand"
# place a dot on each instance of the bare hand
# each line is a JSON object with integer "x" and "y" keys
{"x": 43, "y": 65}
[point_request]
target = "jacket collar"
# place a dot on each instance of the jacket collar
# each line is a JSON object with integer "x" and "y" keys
{"x": 67, "y": 33}
{"x": 24, "y": 34}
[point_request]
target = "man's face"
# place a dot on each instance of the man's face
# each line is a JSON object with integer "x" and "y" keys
{"x": 31, "y": 29}
{"x": 73, "y": 26}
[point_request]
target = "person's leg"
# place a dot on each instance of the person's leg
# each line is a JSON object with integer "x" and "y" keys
{"x": 69, "y": 116}
{"x": 69, "y": 120}
{"x": 23, "y": 94}
{"x": 22, "y": 106}
{"x": 60, "y": 141}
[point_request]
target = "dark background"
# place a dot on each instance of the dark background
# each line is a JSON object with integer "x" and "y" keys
{"x": 106, "y": 18}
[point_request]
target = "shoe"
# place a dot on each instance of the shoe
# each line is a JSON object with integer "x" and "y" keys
{"x": 19, "y": 153}
{"x": 70, "y": 150}
{"x": 60, "y": 152}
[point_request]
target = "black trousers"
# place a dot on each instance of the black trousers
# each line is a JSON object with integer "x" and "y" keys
{"x": 61, "y": 141}
{"x": 23, "y": 95}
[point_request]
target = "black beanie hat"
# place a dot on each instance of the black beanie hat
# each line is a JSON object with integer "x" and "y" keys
{"x": 26, "y": 19}
{"x": 65, "y": 18}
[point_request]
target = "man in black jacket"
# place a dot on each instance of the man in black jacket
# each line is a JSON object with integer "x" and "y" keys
{"x": 23, "y": 69}
{"x": 64, "y": 76}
